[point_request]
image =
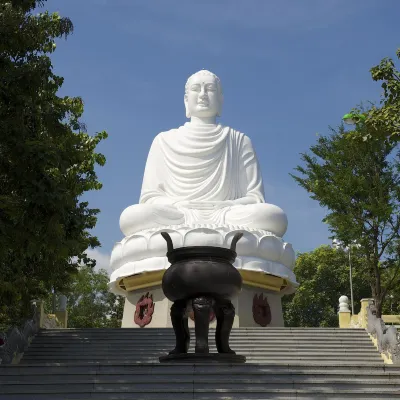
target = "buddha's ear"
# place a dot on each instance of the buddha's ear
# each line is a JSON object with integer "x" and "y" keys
{"x": 220, "y": 104}
{"x": 186, "y": 107}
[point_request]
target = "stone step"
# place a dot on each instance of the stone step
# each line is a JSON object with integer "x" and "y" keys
{"x": 182, "y": 392}
{"x": 151, "y": 339}
{"x": 237, "y": 335}
{"x": 141, "y": 334}
{"x": 235, "y": 346}
{"x": 167, "y": 344}
{"x": 253, "y": 349}
{"x": 266, "y": 351}
{"x": 317, "y": 329}
{"x": 156, "y": 354}
{"x": 71, "y": 378}
{"x": 172, "y": 338}
{"x": 166, "y": 331}
{"x": 276, "y": 395}
{"x": 152, "y": 343}
{"x": 253, "y": 361}
{"x": 256, "y": 359}
{"x": 244, "y": 345}
{"x": 146, "y": 344}
{"x": 189, "y": 395}
{"x": 155, "y": 368}
{"x": 282, "y": 363}
{"x": 153, "y": 332}
{"x": 155, "y": 385}
{"x": 250, "y": 359}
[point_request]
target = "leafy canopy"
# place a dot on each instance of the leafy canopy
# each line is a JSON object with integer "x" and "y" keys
{"x": 47, "y": 162}
{"x": 384, "y": 120}
{"x": 91, "y": 304}
{"x": 358, "y": 183}
{"x": 323, "y": 275}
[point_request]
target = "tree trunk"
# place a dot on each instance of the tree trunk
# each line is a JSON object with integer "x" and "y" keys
{"x": 378, "y": 306}
{"x": 54, "y": 301}
{"x": 377, "y": 286}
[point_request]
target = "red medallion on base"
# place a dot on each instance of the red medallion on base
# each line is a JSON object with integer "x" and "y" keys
{"x": 261, "y": 310}
{"x": 144, "y": 310}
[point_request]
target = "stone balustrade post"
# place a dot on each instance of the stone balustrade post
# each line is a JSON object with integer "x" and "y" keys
{"x": 344, "y": 312}
{"x": 40, "y": 310}
{"x": 363, "y": 320}
{"x": 62, "y": 313}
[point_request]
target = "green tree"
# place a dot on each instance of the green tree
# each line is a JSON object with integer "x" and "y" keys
{"x": 91, "y": 304}
{"x": 357, "y": 182}
{"x": 384, "y": 120}
{"x": 392, "y": 303}
{"x": 323, "y": 275}
{"x": 47, "y": 162}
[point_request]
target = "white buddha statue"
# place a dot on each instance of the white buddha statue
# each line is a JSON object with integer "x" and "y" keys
{"x": 203, "y": 173}
{"x": 202, "y": 184}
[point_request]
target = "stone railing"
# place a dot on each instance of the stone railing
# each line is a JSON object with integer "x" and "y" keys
{"x": 14, "y": 342}
{"x": 391, "y": 319}
{"x": 385, "y": 338}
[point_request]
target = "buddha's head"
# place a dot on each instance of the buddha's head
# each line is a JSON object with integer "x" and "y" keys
{"x": 203, "y": 95}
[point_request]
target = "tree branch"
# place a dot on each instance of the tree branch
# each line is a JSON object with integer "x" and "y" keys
{"x": 389, "y": 285}
{"x": 391, "y": 237}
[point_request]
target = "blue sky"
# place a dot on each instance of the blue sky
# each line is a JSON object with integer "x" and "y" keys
{"x": 289, "y": 69}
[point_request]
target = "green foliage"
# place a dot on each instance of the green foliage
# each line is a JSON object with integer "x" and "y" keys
{"x": 357, "y": 182}
{"x": 384, "y": 121}
{"x": 91, "y": 304}
{"x": 47, "y": 162}
{"x": 392, "y": 302}
{"x": 323, "y": 275}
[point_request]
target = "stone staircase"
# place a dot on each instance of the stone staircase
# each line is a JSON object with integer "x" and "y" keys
{"x": 282, "y": 363}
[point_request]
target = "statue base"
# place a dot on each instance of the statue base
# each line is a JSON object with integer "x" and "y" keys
{"x": 247, "y": 307}
{"x": 212, "y": 358}
{"x": 141, "y": 256}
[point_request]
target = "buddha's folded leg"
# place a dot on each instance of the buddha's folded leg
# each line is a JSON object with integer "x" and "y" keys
{"x": 262, "y": 216}
{"x": 147, "y": 216}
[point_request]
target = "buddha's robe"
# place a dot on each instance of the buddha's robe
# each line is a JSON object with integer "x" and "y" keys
{"x": 207, "y": 174}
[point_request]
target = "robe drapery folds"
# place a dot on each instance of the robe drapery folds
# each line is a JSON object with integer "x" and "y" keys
{"x": 202, "y": 163}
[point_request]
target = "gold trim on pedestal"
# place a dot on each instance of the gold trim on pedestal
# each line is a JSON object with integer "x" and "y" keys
{"x": 250, "y": 278}
{"x": 263, "y": 280}
{"x": 141, "y": 281}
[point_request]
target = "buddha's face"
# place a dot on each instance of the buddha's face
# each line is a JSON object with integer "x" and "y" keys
{"x": 203, "y": 98}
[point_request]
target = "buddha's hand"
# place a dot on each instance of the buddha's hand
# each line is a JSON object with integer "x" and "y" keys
{"x": 204, "y": 205}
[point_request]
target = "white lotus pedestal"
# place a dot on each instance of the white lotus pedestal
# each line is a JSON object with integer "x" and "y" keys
{"x": 264, "y": 261}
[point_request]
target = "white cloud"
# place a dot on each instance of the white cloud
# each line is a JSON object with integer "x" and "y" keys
{"x": 102, "y": 259}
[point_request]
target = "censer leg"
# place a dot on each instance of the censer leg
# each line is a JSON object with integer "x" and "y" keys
{"x": 202, "y": 307}
{"x": 181, "y": 328}
{"x": 225, "y": 313}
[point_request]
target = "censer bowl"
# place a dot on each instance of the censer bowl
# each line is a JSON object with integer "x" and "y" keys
{"x": 201, "y": 271}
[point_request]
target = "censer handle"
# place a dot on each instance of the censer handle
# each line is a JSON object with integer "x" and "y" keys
{"x": 235, "y": 239}
{"x": 168, "y": 239}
